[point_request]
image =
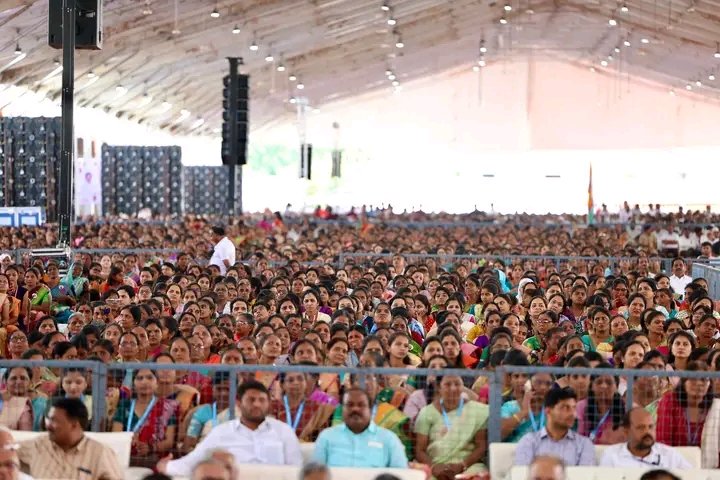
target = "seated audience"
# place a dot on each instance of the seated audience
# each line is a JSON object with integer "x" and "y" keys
{"x": 66, "y": 452}
{"x": 252, "y": 438}
{"x": 358, "y": 442}
{"x": 557, "y": 437}
{"x": 641, "y": 449}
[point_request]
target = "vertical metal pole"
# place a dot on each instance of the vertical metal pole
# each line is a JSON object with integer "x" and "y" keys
{"x": 231, "y": 190}
{"x": 233, "y": 117}
{"x": 99, "y": 389}
{"x": 629, "y": 393}
{"x": 238, "y": 194}
{"x": 494, "y": 422}
{"x": 65, "y": 182}
{"x": 233, "y": 393}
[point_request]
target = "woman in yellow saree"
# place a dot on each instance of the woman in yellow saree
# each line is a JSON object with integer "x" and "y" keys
{"x": 451, "y": 433}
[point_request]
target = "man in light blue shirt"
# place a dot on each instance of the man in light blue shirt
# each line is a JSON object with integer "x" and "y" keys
{"x": 358, "y": 442}
{"x": 557, "y": 438}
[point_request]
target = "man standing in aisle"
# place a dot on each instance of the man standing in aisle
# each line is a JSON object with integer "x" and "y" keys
{"x": 679, "y": 279}
{"x": 224, "y": 251}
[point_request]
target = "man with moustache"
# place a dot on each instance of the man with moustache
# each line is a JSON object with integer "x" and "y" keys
{"x": 252, "y": 438}
{"x": 641, "y": 449}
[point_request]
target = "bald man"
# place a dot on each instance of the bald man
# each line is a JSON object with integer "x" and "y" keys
{"x": 545, "y": 467}
{"x": 211, "y": 469}
{"x": 9, "y": 458}
{"x": 641, "y": 449}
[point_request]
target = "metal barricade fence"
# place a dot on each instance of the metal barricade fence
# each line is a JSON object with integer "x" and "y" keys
{"x": 21, "y": 253}
{"x": 494, "y": 382}
{"x": 557, "y": 260}
{"x": 711, "y": 273}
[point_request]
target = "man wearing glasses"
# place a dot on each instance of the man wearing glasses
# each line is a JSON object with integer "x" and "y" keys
{"x": 641, "y": 449}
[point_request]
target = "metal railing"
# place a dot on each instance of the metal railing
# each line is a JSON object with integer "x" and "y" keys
{"x": 496, "y": 379}
{"x": 21, "y": 253}
{"x": 558, "y": 260}
{"x": 711, "y": 273}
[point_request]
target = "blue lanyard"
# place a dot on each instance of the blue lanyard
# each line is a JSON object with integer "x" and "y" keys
{"x": 214, "y": 414}
{"x": 535, "y": 426}
{"x": 692, "y": 440}
{"x": 594, "y": 433}
{"x": 288, "y": 416}
{"x": 142, "y": 419}
{"x": 446, "y": 419}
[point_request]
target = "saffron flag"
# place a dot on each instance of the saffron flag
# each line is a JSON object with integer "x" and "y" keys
{"x": 591, "y": 204}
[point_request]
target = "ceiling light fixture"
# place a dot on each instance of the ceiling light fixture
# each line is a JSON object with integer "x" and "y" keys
{"x": 58, "y": 69}
{"x": 385, "y": 7}
{"x": 482, "y": 62}
{"x": 91, "y": 74}
{"x": 592, "y": 69}
{"x": 624, "y": 8}
{"x": 717, "y": 51}
{"x": 236, "y": 30}
{"x": 612, "y": 22}
{"x": 292, "y": 77}
{"x": 166, "y": 106}
{"x": 507, "y": 7}
{"x": 475, "y": 68}
{"x": 711, "y": 77}
{"x": 604, "y": 63}
{"x": 300, "y": 86}
{"x": 145, "y": 100}
{"x": 388, "y": 72}
{"x": 672, "y": 92}
{"x": 215, "y": 13}
{"x": 698, "y": 83}
{"x": 503, "y": 20}
{"x": 626, "y": 43}
{"x": 399, "y": 43}
{"x": 616, "y": 49}
{"x": 269, "y": 57}
{"x": 293, "y": 100}
{"x": 254, "y": 46}
{"x": 483, "y": 48}
{"x": 644, "y": 41}
{"x": 391, "y": 20}
{"x": 395, "y": 83}
{"x": 18, "y": 50}
{"x": 688, "y": 87}
{"x": 281, "y": 68}
{"x": 391, "y": 77}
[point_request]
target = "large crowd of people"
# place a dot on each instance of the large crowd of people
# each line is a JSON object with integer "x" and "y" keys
{"x": 268, "y": 290}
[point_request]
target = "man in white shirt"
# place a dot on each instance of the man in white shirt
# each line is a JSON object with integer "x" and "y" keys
{"x": 224, "y": 251}
{"x": 641, "y": 450}
{"x": 254, "y": 438}
{"x": 679, "y": 279}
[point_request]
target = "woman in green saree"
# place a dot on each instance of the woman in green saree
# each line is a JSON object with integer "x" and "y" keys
{"x": 451, "y": 434}
{"x": 37, "y": 300}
